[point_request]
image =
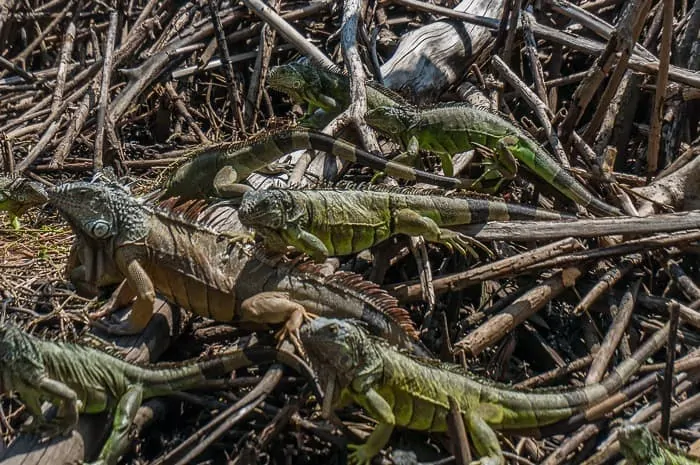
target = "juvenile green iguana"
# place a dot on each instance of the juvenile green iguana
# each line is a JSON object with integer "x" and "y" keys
{"x": 19, "y": 194}
{"x": 214, "y": 170}
{"x": 642, "y": 447}
{"x": 329, "y": 221}
{"x": 325, "y": 89}
{"x": 80, "y": 379}
{"x": 454, "y": 128}
{"x": 398, "y": 389}
{"x": 199, "y": 261}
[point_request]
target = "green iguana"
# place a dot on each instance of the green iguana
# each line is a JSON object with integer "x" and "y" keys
{"x": 398, "y": 389}
{"x": 80, "y": 379}
{"x": 642, "y": 447}
{"x": 325, "y": 89}
{"x": 18, "y": 194}
{"x": 215, "y": 170}
{"x": 197, "y": 260}
{"x": 329, "y": 221}
{"x": 454, "y": 128}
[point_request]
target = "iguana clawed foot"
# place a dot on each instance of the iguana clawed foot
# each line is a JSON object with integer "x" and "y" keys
{"x": 361, "y": 455}
{"x": 462, "y": 243}
{"x": 291, "y": 329}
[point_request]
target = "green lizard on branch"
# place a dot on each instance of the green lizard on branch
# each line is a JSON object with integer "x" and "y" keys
{"x": 80, "y": 379}
{"x": 331, "y": 221}
{"x": 453, "y": 128}
{"x": 215, "y": 170}
{"x": 398, "y": 389}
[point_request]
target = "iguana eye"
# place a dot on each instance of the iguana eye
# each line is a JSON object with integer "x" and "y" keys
{"x": 99, "y": 229}
{"x": 333, "y": 328}
{"x": 21, "y": 197}
{"x": 297, "y": 84}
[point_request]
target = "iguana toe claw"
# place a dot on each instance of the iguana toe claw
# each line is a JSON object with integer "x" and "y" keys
{"x": 360, "y": 456}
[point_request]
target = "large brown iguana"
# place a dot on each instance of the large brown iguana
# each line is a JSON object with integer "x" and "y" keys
{"x": 398, "y": 389}
{"x": 80, "y": 379}
{"x": 197, "y": 261}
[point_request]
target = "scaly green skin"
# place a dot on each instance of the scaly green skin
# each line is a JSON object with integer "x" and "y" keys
{"x": 81, "y": 379}
{"x": 325, "y": 89}
{"x": 18, "y": 194}
{"x": 642, "y": 447}
{"x": 455, "y": 128}
{"x": 398, "y": 389}
{"x": 324, "y": 222}
{"x": 214, "y": 170}
{"x": 199, "y": 262}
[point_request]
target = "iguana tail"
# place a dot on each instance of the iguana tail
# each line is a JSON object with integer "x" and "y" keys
{"x": 166, "y": 378}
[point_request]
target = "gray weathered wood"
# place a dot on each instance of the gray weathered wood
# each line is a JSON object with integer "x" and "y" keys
{"x": 435, "y": 56}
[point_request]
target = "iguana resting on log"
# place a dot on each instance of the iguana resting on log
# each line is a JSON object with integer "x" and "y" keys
{"x": 454, "y": 128}
{"x": 330, "y": 221}
{"x": 642, "y": 447}
{"x": 19, "y": 194}
{"x": 80, "y": 379}
{"x": 398, "y": 389}
{"x": 325, "y": 89}
{"x": 215, "y": 170}
{"x": 198, "y": 261}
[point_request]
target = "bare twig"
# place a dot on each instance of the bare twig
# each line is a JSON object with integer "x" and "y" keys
{"x": 103, "y": 99}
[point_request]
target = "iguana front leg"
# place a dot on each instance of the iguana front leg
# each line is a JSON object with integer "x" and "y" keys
{"x": 277, "y": 307}
{"x": 124, "y": 415}
{"x": 407, "y": 221}
{"x": 138, "y": 283}
{"x": 60, "y": 395}
{"x": 306, "y": 242}
{"x": 380, "y": 410}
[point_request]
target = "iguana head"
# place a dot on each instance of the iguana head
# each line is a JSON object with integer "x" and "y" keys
{"x": 637, "y": 443}
{"x": 294, "y": 79}
{"x": 265, "y": 208}
{"x": 18, "y": 194}
{"x": 101, "y": 211}
{"x": 337, "y": 344}
{"x": 392, "y": 121}
{"x": 18, "y": 354}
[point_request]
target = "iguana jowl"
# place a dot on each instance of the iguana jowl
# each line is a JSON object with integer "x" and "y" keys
{"x": 398, "y": 389}
{"x": 454, "y": 128}
{"x": 214, "y": 170}
{"x": 18, "y": 194}
{"x": 198, "y": 262}
{"x": 331, "y": 221}
{"x": 80, "y": 379}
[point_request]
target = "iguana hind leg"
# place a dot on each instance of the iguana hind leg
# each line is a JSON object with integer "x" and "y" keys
{"x": 276, "y": 307}
{"x": 124, "y": 415}
{"x": 483, "y": 436}
{"x": 498, "y": 163}
{"x": 68, "y": 407}
{"x": 409, "y": 222}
